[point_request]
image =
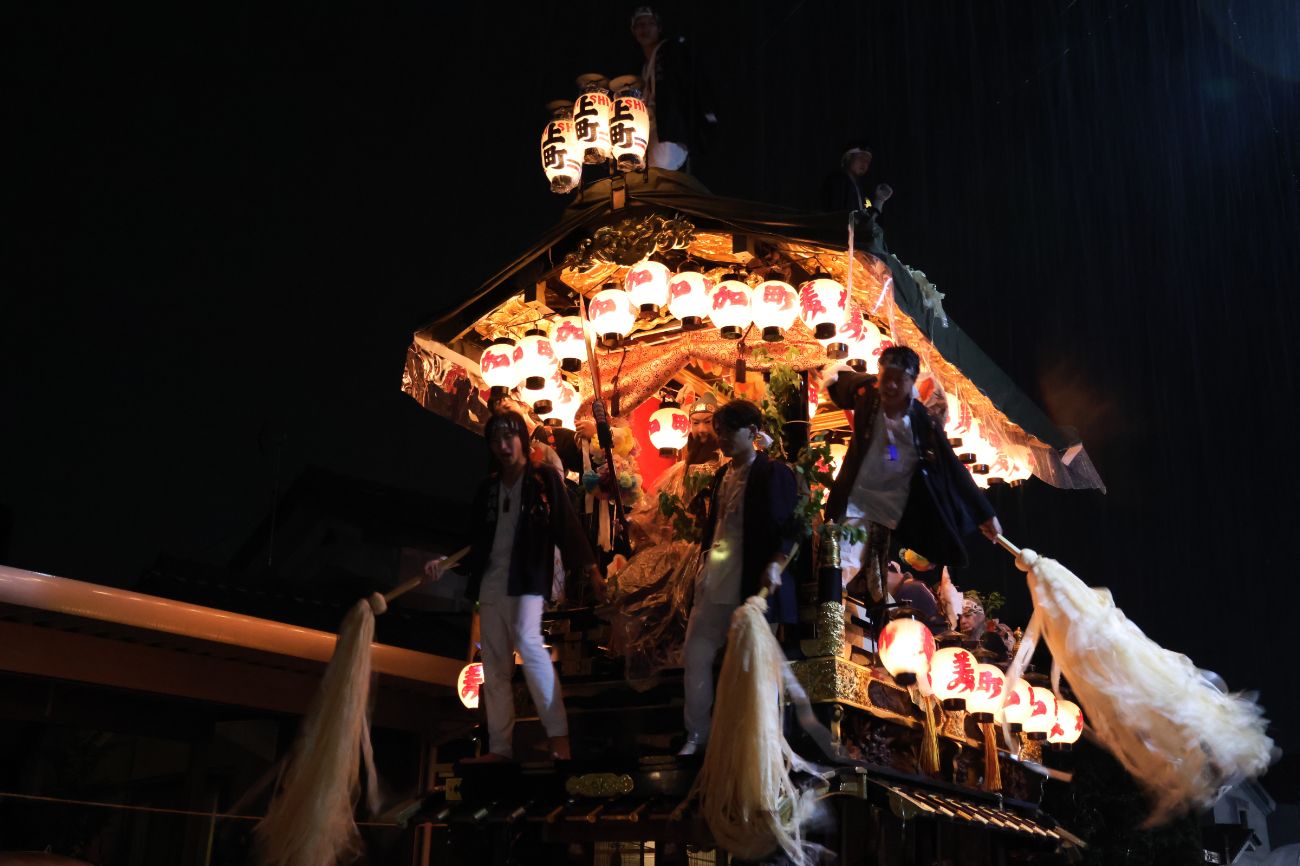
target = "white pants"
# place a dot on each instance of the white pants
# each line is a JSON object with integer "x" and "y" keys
{"x": 509, "y": 624}
{"x": 706, "y": 633}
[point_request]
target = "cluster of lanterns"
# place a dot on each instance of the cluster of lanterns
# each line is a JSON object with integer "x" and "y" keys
{"x": 990, "y": 459}
{"x": 608, "y": 120}
{"x": 960, "y": 682}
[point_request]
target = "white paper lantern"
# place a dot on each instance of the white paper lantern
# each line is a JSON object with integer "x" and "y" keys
{"x": 611, "y": 315}
{"x": 688, "y": 297}
{"x": 906, "y": 647}
{"x": 543, "y": 398}
{"x": 591, "y": 118}
{"x": 647, "y": 285}
{"x": 865, "y": 353}
{"x": 469, "y": 683}
{"x": 776, "y": 306}
{"x": 561, "y": 158}
{"x": 499, "y": 364}
{"x": 569, "y": 341}
{"x": 729, "y": 307}
{"x": 564, "y": 408}
{"x": 848, "y": 333}
{"x": 952, "y": 676}
{"x": 629, "y": 124}
{"x": 990, "y": 683}
{"x": 1018, "y": 706}
{"x": 669, "y": 428}
{"x": 1042, "y": 714}
{"x": 823, "y": 306}
{"x": 537, "y": 362}
{"x": 1067, "y": 729}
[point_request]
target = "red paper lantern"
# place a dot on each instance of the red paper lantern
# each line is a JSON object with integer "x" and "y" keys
{"x": 906, "y": 647}
{"x": 647, "y": 285}
{"x": 952, "y": 676}
{"x": 990, "y": 684}
{"x": 729, "y": 307}
{"x": 823, "y": 306}
{"x": 570, "y": 343}
{"x": 688, "y": 297}
{"x": 1068, "y": 727}
{"x": 669, "y": 428}
{"x": 499, "y": 365}
{"x": 1042, "y": 713}
{"x": 776, "y": 306}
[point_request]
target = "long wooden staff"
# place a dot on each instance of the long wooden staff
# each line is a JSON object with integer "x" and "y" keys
{"x": 603, "y": 433}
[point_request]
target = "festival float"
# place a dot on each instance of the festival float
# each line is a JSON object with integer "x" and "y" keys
{"x": 651, "y": 294}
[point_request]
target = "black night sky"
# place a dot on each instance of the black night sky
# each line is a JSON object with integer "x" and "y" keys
{"x": 229, "y": 221}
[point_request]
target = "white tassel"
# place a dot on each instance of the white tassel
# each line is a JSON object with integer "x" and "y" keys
{"x": 1174, "y": 732}
{"x": 745, "y": 792}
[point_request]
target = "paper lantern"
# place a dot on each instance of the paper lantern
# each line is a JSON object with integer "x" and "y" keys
{"x": 1018, "y": 706}
{"x": 543, "y": 398}
{"x": 906, "y": 647}
{"x": 561, "y": 159}
{"x": 688, "y": 297}
{"x": 1011, "y": 465}
{"x": 864, "y": 355}
{"x": 848, "y": 333}
{"x": 499, "y": 365}
{"x": 647, "y": 285}
{"x": 611, "y": 315}
{"x": 569, "y": 342}
{"x": 564, "y": 408}
{"x": 591, "y": 118}
{"x": 629, "y": 124}
{"x": 729, "y": 307}
{"x": 1042, "y": 714}
{"x": 990, "y": 683}
{"x": 961, "y": 421}
{"x": 823, "y": 306}
{"x": 1068, "y": 726}
{"x": 669, "y": 428}
{"x": 776, "y": 306}
{"x": 468, "y": 684}
{"x": 952, "y": 676}
{"x": 538, "y": 361}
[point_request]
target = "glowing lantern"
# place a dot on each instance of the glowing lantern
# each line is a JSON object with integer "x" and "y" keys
{"x": 688, "y": 297}
{"x": 906, "y": 647}
{"x": 499, "y": 365}
{"x": 647, "y": 285}
{"x": 952, "y": 676}
{"x": 468, "y": 684}
{"x": 560, "y": 154}
{"x": 864, "y": 355}
{"x": 729, "y": 306}
{"x": 849, "y": 333}
{"x": 564, "y": 408}
{"x": 990, "y": 683}
{"x": 629, "y": 124}
{"x": 1042, "y": 714}
{"x": 669, "y": 428}
{"x": 776, "y": 306}
{"x": 538, "y": 362}
{"x": 1010, "y": 466}
{"x": 961, "y": 420}
{"x": 591, "y": 118}
{"x": 611, "y": 315}
{"x": 823, "y": 306}
{"x": 1068, "y": 727}
{"x": 569, "y": 342}
{"x": 1018, "y": 706}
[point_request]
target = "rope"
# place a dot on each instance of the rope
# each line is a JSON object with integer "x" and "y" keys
{"x": 127, "y": 807}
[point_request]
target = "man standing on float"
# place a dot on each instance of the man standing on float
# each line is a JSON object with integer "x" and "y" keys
{"x": 900, "y": 475}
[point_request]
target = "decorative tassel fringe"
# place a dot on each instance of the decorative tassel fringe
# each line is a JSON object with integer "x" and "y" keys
{"x": 992, "y": 770}
{"x": 929, "y": 756}
{"x": 311, "y": 820}
{"x": 745, "y": 792}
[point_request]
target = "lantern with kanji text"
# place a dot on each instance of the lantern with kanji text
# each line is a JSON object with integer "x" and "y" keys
{"x": 952, "y": 676}
{"x": 729, "y": 306}
{"x": 776, "y": 306}
{"x": 591, "y": 118}
{"x": 864, "y": 355}
{"x": 823, "y": 306}
{"x": 569, "y": 342}
{"x": 848, "y": 333}
{"x": 629, "y": 124}
{"x": 647, "y": 285}
{"x": 469, "y": 683}
{"x": 500, "y": 367}
{"x": 561, "y": 158}
{"x": 611, "y": 315}
{"x": 1042, "y": 713}
{"x": 688, "y": 297}
{"x": 669, "y": 428}
{"x": 906, "y": 647}
{"x": 990, "y": 683}
{"x": 564, "y": 408}
{"x": 1068, "y": 727}
{"x": 1017, "y": 707}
